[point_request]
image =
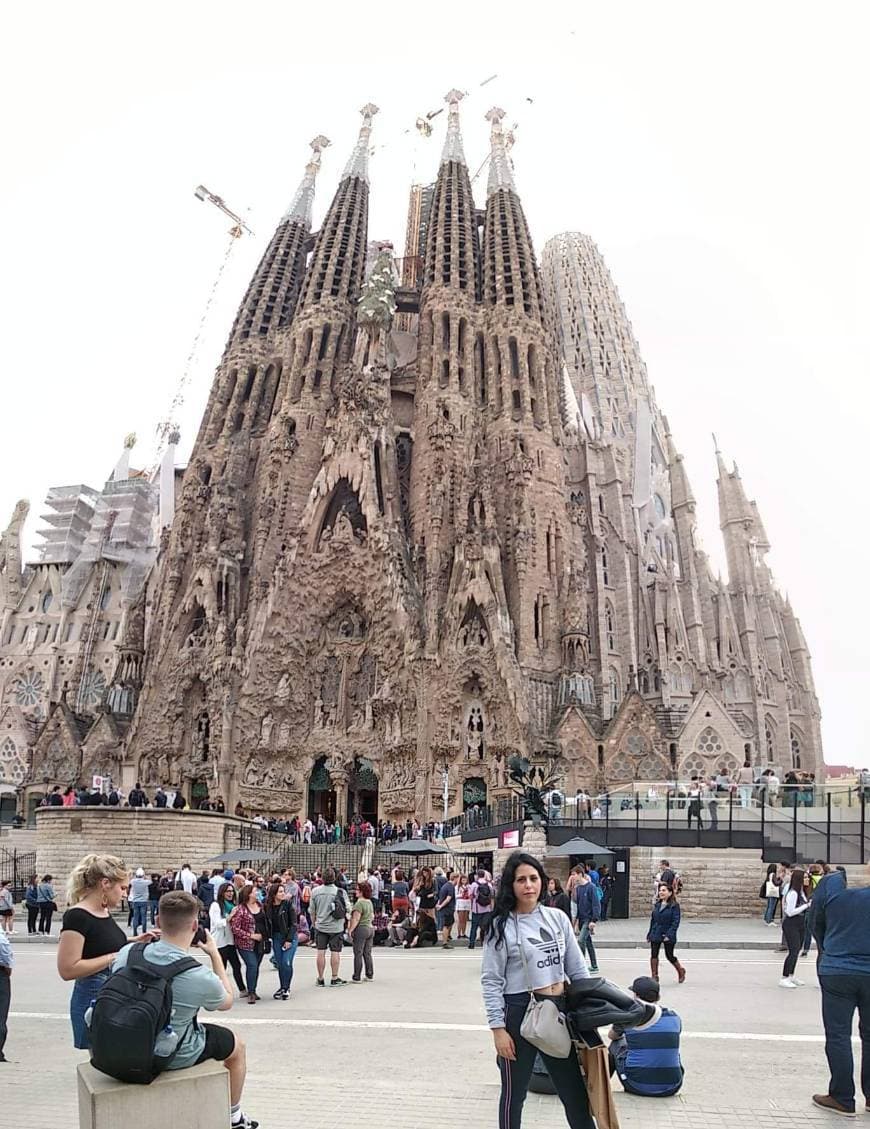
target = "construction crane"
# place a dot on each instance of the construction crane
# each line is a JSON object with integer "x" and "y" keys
{"x": 168, "y": 424}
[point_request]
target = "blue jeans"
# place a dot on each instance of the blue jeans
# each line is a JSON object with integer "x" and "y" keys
{"x": 152, "y": 910}
{"x": 251, "y": 960}
{"x": 841, "y": 994}
{"x": 584, "y": 940}
{"x": 770, "y": 911}
{"x": 83, "y": 995}
{"x": 284, "y": 961}
{"x": 479, "y": 921}
{"x": 140, "y": 916}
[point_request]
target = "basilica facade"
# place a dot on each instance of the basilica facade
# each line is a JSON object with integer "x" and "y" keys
{"x": 433, "y": 518}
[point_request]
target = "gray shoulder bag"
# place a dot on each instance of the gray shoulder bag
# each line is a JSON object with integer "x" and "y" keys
{"x": 543, "y": 1025}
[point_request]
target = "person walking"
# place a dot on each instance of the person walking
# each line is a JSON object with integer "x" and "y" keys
{"x": 31, "y": 902}
{"x": 588, "y": 912}
{"x": 695, "y": 804}
{"x": 445, "y": 910}
{"x": 841, "y": 926}
{"x": 219, "y": 927}
{"x": 772, "y": 887}
{"x": 530, "y": 951}
{"x": 663, "y": 925}
{"x": 607, "y": 884}
{"x": 281, "y": 913}
{"x": 90, "y": 939}
{"x": 45, "y": 899}
{"x": 362, "y": 933}
{"x": 482, "y": 897}
{"x": 557, "y": 898}
{"x": 328, "y": 910}
{"x": 250, "y": 931}
{"x": 794, "y": 906}
{"x": 138, "y": 900}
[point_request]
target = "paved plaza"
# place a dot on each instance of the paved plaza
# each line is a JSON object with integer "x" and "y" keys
{"x": 397, "y": 1046}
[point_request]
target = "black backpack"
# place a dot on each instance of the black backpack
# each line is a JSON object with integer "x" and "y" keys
{"x": 130, "y": 1011}
{"x": 339, "y": 908}
{"x": 484, "y": 894}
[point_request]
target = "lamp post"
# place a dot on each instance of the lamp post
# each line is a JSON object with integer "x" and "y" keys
{"x": 445, "y": 785}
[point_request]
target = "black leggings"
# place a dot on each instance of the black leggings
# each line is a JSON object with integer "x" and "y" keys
{"x": 45, "y": 912}
{"x": 516, "y": 1075}
{"x": 655, "y": 948}
{"x": 230, "y": 955}
{"x": 793, "y": 931}
{"x": 32, "y": 914}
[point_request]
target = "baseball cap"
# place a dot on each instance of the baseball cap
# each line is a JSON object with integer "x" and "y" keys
{"x": 229, "y": 875}
{"x": 646, "y": 989}
{"x": 140, "y": 873}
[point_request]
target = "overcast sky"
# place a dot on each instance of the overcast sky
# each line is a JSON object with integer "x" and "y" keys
{"x": 717, "y": 153}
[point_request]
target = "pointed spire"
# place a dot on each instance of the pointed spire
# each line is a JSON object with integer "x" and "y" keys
{"x": 300, "y": 208}
{"x": 453, "y": 150}
{"x": 358, "y": 164}
{"x": 500, "y": 169}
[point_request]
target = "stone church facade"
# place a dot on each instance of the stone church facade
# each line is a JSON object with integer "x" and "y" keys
{"x": 425, "y": 527}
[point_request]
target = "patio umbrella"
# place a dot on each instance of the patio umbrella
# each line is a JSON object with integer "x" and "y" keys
{"x": 577, "y": 847}
{"x": 242, "y": 854}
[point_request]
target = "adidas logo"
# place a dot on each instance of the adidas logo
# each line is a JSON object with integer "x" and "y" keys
{"x": 549, "y": 949}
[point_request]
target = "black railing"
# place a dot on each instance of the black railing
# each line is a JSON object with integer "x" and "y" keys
{"x": 17, "y": 867}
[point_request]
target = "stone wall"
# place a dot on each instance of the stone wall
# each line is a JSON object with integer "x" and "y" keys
{"x": 715, "y": 883}
{"x": 151, "y": 839}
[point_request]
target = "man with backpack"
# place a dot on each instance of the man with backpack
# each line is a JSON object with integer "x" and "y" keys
{"x": 144, "y": 1020}
{"x": 586, "y": 895}
{"x": 328, "y": 911}
{"x": 482, "y": 897}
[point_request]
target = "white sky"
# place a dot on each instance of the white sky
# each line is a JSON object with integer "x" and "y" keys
{"x": 717, "y": 153}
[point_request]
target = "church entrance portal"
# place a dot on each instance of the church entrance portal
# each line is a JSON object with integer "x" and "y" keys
{"x": 321, "y": 794}
{"x": 362, "y": 791}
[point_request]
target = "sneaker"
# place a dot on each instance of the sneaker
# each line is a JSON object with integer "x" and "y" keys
{"x": 354, "y": 980}
{"x": 805, "y": 953}
{"x": 244, "y": 1122}
{"x": 370, "y": 978}
{"x": 285, "y": 995}
{"x": 277, "y": 995}
{"x": 447, "y": 945}
{"x": 337, "y": 982}
{"x": 593, "y": 967}
{"x": 786, "y": 982}
{"x": 825, "y": 1101}
{"x": 796, "y": 982}
{"x": 321, "y": 983}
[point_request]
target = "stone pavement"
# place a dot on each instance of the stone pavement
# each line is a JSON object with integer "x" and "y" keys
{"x": 395, "y": 1047}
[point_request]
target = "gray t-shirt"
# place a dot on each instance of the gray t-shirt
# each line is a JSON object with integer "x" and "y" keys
{"x": 139, "y": 890}
{"x": 322, "y": 901}
{"x": 191, "y": 990}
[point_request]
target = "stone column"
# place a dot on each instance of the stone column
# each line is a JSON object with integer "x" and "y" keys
{"x": 339, "y": 779}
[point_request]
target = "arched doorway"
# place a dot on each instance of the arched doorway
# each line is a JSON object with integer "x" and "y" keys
{"x": 321, "y": 794}
{"x": 473, "y": 792}
{"x": 362, "y": 791}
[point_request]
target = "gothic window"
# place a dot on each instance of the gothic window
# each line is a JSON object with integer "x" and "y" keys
{"x": 614, "y": 691}
{"x": 795, "y": 749}
{"x": 661, "y": 512}
{"x": 11, "y": 766}
{"x": 769, "y": 743}
{"x": 404, "y": 453}
{"x": 106, "y": 598}
{"x": 46, "y": 601}
{"x": 693, "y": 765}
{"x": 92, "y": 689}
{"x": 644, "y": 682}
{"x": 28, "y": 688}
{"x": 480, "y": 370}
{"x": 709, "y": 743}
{"x": 610, "y": 627}
{"x": 379, "y": 486}
{"x": 605, "y": 572}
{"x": 514, "y": 354}
{"x": 445, "y": 331}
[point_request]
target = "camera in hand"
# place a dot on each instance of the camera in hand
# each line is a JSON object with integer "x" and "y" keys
{"x": 199, "y": 937}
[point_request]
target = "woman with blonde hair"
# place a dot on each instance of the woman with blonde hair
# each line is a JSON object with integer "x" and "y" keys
{"x": 89, "y": 937}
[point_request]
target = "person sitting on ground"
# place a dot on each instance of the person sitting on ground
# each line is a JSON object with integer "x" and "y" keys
{"x": 399, "y": 925}
{"x": 196, "y": 988}
{"x": 423, "y": 935}
{"x": 647, "y": 1060}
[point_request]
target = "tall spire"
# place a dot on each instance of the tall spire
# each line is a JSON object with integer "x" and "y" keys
{"x": 453, "y": 150}
{"x": 300, "y": 208}
{"x": 358, "y": 164}
{"x": 500, "y": 170}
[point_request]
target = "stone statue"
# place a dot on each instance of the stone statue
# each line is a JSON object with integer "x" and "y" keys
{"x": 282, "y": 690}
{"x": 266, "y": 726}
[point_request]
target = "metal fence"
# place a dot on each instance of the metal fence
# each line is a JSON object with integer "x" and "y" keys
{"x": 16, "y": 867}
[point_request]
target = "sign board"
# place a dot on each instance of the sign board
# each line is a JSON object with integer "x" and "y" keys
{"x": 620, "y": 867}
{"x": 97, "y": 783}
{"x": 508, "y": 839}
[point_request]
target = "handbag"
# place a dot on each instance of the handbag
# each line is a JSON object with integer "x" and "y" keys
{"x": 543, "y": 1025}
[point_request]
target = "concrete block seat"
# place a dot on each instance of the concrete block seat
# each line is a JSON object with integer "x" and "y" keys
{"x": 197, "y": 1097}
